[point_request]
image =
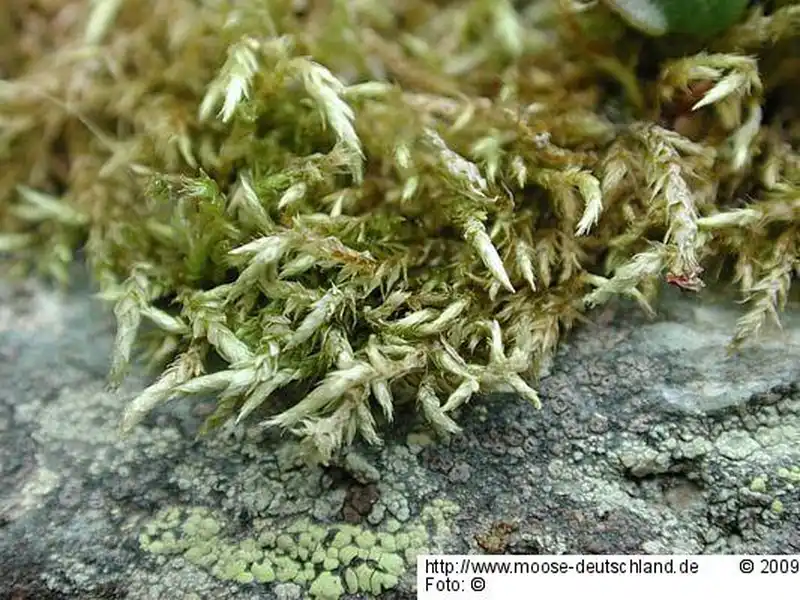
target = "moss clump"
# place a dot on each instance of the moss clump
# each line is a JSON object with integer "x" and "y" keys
{"x": 376, "y": 202}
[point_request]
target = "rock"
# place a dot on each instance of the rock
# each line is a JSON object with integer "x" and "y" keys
{"x": 651, "y": 439}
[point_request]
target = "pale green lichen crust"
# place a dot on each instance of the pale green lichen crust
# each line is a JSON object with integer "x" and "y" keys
{"x": 326, "y": 560}
{"x": 650, "y": 441}
{"x": 777, "y": 488}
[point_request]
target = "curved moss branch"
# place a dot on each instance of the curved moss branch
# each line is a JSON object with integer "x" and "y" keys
{"x": 389, "y": 206}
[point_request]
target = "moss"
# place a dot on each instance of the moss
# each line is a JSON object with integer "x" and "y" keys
{"x": 394, "y": 201}
{"x": 325, "y": 560}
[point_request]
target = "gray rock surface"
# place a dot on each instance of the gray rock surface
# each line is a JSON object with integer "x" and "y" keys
{"x": 651, "y": 440}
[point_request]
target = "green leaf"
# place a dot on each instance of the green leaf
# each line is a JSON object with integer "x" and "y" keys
{"x": 690, "y": 17}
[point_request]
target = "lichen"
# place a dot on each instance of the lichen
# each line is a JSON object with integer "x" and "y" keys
{"x": 758, "y": 484}
{"x": 391, "y": 207}
{"x": 326, "y": 560}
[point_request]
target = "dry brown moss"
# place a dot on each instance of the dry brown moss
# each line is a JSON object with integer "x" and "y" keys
{"x": 388, "y": 200}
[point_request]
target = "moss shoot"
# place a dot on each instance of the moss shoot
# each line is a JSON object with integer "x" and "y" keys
{"x": 392, "y": 205}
